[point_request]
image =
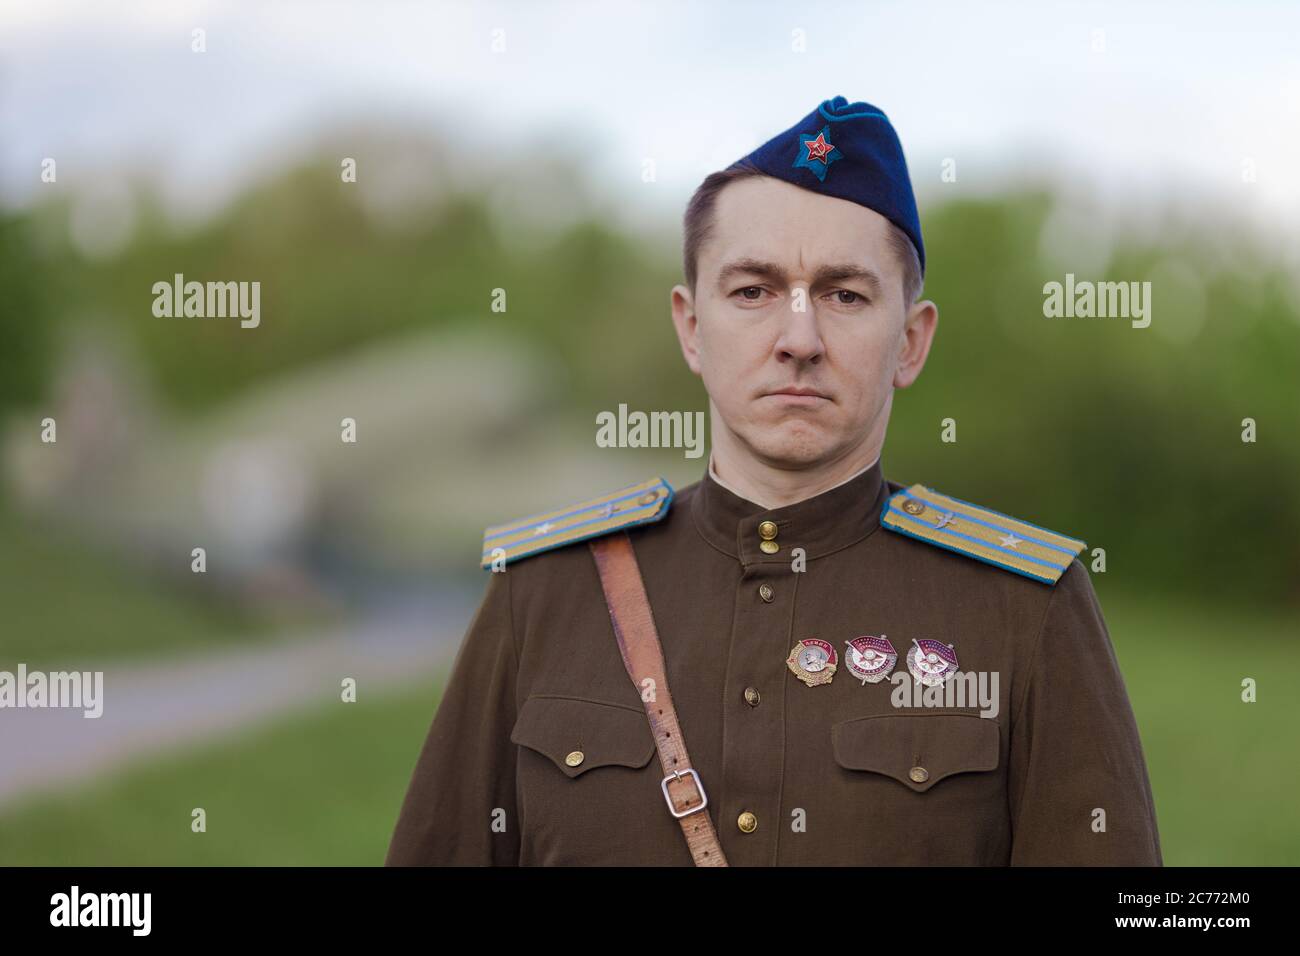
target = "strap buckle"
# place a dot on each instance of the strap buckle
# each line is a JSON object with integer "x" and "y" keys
{"x": 677, "y": 775}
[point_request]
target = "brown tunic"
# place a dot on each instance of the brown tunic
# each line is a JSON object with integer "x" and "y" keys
{"x": 830, "y": 772}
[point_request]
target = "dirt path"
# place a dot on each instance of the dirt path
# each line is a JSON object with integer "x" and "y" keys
{"x": 151, "y": 708}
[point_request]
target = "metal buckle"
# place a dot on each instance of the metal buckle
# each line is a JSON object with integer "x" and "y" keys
{"x": 677, "y": 775}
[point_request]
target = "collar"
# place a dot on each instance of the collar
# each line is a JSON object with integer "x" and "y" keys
{"x": 822, "y": 524}
{"x": 713, "y": 473}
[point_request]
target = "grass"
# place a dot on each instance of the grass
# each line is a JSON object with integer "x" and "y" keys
{"x": 320, "y": 789}
{"x": 325, "y": 788}
{"x": 1224, "y": 773}
{"x": 64, "y": 603}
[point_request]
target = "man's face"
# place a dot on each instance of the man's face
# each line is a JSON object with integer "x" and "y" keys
{"x": 798, "y": 325}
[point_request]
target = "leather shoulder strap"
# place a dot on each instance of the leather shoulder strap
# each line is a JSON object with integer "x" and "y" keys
{"x": 638, "y": 642}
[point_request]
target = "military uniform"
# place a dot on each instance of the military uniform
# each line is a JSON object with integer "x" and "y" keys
{"x": 541, "y": 754}
{"x": 779, "y": 632}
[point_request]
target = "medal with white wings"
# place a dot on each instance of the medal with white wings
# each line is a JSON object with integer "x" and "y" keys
{"x": 931, "y": 662}
{"x": 870, "y": 658}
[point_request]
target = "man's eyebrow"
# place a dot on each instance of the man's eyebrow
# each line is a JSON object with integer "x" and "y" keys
{"x": 837, "y": 272}
{"x": 751, "y": 267}
{"x": 848, "y": 271}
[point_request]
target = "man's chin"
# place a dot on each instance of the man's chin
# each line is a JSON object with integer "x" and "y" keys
{"x": 793, "y": 445}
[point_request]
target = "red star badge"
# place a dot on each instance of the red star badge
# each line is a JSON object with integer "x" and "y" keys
{"x": 818, "y": 148}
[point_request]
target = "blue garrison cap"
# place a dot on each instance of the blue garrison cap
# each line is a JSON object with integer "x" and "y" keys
{"x": 849, "y": 151}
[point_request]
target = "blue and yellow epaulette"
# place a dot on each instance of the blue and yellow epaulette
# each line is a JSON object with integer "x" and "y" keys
{"x": 990, "y": 536}
{"x": 639, "y": 504}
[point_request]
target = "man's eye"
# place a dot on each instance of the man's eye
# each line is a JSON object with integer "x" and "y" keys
{"x": 743, "y": 293}
{"x": 856, "y": 297}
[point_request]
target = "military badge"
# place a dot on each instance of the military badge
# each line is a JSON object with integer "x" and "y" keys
{"x": 870, "y": 658}
{"x": 931, "y": 662}
{"x": 813, "y": 662}
{"x": 816, "y": 153}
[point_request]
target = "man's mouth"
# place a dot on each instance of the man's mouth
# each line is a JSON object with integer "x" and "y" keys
{"x": 799, "y": 395}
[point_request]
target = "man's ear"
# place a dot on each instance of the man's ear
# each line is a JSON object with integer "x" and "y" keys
{"x": 687, "y": 325}
{"x": 918, "y": 333}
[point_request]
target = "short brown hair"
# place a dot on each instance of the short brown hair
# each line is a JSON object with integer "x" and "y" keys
{"x": 698, "y": 224}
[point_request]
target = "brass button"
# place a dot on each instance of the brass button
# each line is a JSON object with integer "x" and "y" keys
{"x": 765, "y": 592}
{"x": 913, "y": 507}
{"x": 649, "y": 498}
{"x": 919, "y": 774}
{"x": 751, "y": 696}
{"x": 575, "y": 758}
{"x": 747, "y": 822}
{"x": 769, "y": 547}
{"x": 767, "y": 530}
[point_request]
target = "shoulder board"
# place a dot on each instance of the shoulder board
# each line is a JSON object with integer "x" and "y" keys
{"x": 641, "y": 503}
{"x": 981, "y": 533}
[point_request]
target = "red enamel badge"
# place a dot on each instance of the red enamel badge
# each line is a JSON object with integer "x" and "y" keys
{"x": 870, "y": 658}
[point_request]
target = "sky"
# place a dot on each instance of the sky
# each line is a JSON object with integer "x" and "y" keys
{"x": 1127, "y": 104}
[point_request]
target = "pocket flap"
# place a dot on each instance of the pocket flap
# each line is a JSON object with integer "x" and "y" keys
{"x": 917, "y": 750}
{"x": 597, "y": 733}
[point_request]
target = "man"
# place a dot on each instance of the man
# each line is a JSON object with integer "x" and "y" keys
{"x": 787, "y": 634}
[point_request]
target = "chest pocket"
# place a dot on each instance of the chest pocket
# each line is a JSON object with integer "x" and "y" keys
{"x": 579, "y": 734}
{"x": 917, "y": 750}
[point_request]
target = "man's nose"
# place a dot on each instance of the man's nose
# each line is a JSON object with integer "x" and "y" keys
{"x": 800, "y": 339}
